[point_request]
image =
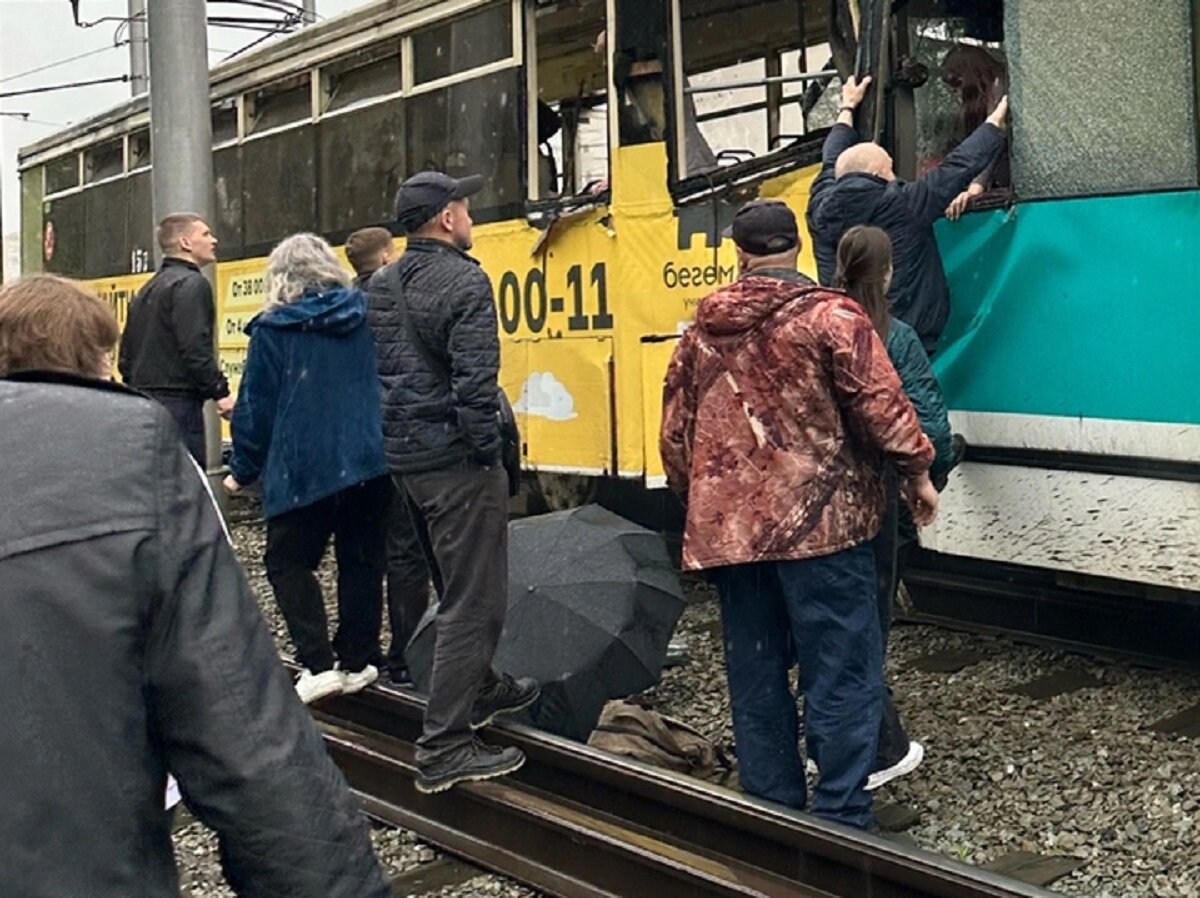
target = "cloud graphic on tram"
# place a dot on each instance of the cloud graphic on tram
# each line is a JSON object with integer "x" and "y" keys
{"x": 544, "y": 395}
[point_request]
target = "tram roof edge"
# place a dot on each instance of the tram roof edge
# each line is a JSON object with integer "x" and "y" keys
{"x": 290, "y": 54}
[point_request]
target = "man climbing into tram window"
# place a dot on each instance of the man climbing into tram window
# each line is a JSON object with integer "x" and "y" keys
{"x": 167, "y": 349}
{"x": 780, "y": 410}
{"x": 434, "y": 319}
{"x": 857, "y": 186}
{"x": 132, "y": 647}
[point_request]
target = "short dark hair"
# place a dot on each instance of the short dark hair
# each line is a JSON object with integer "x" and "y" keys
{"x": 173, "y": 227}
{"x": 49, "y": 323}
{"x": 363, "y": 245}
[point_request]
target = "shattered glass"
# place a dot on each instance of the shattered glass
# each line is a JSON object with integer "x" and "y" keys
{"x": 1103, "y": 96}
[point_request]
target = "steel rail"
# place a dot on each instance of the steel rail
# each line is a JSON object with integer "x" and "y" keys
{"x": 579, "y": 823}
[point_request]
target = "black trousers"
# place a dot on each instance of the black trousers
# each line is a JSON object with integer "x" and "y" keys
{"x": 356, "y": 519}
{"x": 188, "y": 413}
{"x": 410, "y": 567}
{"x": 466, "y": 510}
{"x": 893, "y": 740}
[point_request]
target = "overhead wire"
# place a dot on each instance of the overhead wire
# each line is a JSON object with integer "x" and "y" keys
{"x": 60, "y": 62}
{"x": 67, "y": 86}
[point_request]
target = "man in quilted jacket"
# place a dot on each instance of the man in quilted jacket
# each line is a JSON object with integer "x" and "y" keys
{"x": 780, "y": 413}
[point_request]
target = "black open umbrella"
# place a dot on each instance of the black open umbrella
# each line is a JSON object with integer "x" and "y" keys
{"x": 592, "y": 602}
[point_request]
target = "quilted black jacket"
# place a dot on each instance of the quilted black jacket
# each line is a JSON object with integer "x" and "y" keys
{"x": 130, "y": 646}
{"x": 434, "y": 321}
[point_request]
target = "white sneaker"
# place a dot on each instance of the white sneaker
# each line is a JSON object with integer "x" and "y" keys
{"x": 910, "y": 762}
{"x": 311, "y": 687}
{"x": 356, "y": 682}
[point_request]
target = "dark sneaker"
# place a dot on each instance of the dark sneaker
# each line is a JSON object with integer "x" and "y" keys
{"x": 506, "y": 696}
{"x": 478, "y": 761}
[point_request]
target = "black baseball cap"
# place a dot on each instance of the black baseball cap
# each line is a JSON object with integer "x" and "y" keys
{"x": 426, "y": 194}
{"x": 764, "y": 228}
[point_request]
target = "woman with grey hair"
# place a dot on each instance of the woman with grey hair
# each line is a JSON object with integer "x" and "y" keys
{"x": 307, "y": 428}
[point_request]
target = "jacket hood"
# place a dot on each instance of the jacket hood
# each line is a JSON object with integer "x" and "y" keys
{"x": 851, "y": 200}
{"x": 745, "y": 303}
{"x": 339, "y": 310}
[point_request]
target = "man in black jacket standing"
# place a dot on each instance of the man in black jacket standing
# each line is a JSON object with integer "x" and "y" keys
{"x": 857, "y": 186}
{"x": 167, "y": 350}
{"x": 434, "y": 320}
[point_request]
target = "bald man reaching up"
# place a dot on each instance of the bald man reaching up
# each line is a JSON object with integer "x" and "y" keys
{"x": 857, "y": 186}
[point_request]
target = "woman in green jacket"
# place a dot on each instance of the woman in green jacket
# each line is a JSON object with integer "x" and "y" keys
{"x": 864, "y": 271}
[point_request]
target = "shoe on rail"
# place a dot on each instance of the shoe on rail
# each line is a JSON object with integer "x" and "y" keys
{"x": 477, "y": 761}
{"x": 313, "y": 687}
{"x": 506, "y": 695}
{"x": 357, "y": 681}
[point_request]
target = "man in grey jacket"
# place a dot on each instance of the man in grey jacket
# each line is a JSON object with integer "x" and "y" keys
{"x": 131, "y": 646}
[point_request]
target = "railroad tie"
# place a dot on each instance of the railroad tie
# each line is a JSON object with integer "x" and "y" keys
{"x": 1185, "y": 723}
{"x": 1032, "y": 868}
{"x": 1058, "y": 683}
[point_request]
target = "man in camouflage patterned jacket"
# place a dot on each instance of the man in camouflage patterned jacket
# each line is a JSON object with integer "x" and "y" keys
{"x": 780, "y": 411}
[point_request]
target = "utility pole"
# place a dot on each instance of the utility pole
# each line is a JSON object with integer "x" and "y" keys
{"x": 181, "y": 137}
{"x": 310, "y": 11}
{"x": 138, "y": 72}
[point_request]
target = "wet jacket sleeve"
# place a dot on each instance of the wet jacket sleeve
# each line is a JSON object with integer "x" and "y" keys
{"x": 839, "y": 139}
{"x": 474, "y": 350}
{"x": 254, "y": 413}
{"x": 679, "y": 416}
{"x": 922, "y": 388}
{"x": 192, "y": 319}
{"x": 869, "y": 391}
{"x": 247, "y": 756}
{"x": 932, "y": 192}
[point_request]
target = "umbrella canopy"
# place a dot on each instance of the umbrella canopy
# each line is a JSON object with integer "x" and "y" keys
{"x": 592, "y": 602}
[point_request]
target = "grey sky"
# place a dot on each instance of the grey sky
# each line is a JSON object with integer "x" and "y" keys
{"x": 35, "y": 33}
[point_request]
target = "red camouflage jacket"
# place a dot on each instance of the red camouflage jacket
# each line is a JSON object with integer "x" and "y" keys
{"x": 779, "y": 411}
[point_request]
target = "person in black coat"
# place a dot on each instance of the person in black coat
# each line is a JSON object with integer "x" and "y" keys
{"x": 132, "y": 646}
{"x": 434, "y": 319}
{"x": 167, "y": 350}
{"x": 857, "y": 186}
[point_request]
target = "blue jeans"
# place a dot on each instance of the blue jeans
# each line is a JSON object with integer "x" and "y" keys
{"x": 825, "y": 610}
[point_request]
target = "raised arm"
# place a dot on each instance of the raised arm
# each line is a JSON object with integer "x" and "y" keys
{"x": 932, "y": 194}
{"x": 842, "y": 136}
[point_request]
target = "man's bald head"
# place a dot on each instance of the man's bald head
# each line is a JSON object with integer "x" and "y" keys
{"x": 865, "y": 158}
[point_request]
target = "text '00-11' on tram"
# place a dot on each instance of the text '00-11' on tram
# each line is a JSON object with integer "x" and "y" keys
{"x": 617, "y": 138}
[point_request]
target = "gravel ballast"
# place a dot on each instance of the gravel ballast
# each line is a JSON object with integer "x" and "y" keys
{"x": 1077, "y": 775}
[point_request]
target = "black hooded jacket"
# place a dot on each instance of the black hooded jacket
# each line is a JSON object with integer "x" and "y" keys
{"x": 907, "y": 210}
{"x": 131, "y": 646}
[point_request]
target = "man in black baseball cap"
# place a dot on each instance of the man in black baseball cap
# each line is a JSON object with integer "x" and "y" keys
{"x": 427, "y": 193}
{"x": 434, "y": 318}
{"x": 767, "y": 240}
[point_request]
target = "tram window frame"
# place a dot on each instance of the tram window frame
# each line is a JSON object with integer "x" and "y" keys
{"x": 585, "y": 65}
{"x": 104, "y": 161}
{"x": 286, "y": 103}
{"x": 61, "y": 174}
{"x": 139, "y": 151}
{"x": 371, "y": 74}
{"x": 907, "y": 103}
{"x": 415, "y": 56}
{"x": 803, "y": 149}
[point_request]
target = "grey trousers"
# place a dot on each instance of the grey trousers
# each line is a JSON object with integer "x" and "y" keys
{"x": 466, "y": 512}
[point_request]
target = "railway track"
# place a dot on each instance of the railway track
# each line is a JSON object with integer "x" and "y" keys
{"x": 579, "y": 823}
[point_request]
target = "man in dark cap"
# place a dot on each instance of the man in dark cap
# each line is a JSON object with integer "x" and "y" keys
{"x": 779, "y": 411}
{"x": 434, "y": 320}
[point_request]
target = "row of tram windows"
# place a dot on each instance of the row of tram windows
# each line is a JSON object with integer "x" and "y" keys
{"x": 722, "y": 83}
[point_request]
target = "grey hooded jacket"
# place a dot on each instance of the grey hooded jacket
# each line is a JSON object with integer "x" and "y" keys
{"x": 131, "y": 646}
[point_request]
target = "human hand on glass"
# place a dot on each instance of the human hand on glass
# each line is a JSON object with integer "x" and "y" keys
{"x": 959, "y": 204}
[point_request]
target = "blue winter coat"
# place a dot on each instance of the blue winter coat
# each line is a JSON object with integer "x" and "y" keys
{"x": 307, "y": 421}
{"x": 921, "y": 385}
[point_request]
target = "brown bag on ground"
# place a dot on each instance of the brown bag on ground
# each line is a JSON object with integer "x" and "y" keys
{"x": 634, "y": 732}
